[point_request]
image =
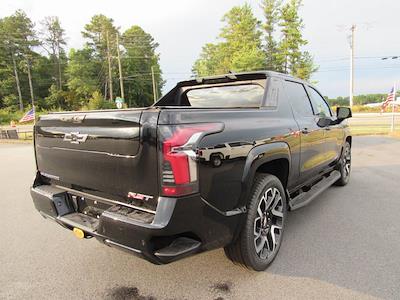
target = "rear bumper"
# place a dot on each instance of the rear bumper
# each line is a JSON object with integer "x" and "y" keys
{"x": 181, "y": 226}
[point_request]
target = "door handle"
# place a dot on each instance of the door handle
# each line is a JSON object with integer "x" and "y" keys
{"x": 327, "y": 128}
{"x": 305, "y": 131}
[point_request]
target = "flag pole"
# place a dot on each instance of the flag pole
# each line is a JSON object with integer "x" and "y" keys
{"x": 394, "y": 99}
{"x": 34, "y": 113}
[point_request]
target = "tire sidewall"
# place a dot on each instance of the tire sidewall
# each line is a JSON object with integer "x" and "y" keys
{"x": 252, "y": 259}
{"x": 344, "y": 179}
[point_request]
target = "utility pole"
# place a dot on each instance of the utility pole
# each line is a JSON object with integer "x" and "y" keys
{"x": 110, "y": 87}
{"x": 154, "y": 84}
{"x": 105, "y": 91}
{"x": 353, "y": 28}
{"x": 21, "y": 104}
{"x": 59, "y": 65}
{"x": 121, "y": 81}
{"x": 28, "y": 64}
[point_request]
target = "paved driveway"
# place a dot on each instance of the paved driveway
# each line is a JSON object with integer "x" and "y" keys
{"x": 346, "y": 244}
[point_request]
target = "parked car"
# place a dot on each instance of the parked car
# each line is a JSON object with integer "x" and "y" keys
{"x": 216, "y": 162}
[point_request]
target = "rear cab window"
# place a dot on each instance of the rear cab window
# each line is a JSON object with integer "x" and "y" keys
{"x": 237, "y": 95}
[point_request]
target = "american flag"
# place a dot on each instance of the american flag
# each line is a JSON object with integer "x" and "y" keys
{"x": 390, "y": 97}
{"x": 29, "y": 116}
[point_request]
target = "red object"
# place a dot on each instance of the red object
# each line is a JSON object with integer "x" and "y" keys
{"x": 390, "y": 97}
{"x": 177, "y": 190}
{"x": 178, "y": 160}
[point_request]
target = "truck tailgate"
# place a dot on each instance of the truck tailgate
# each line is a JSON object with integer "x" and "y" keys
{"x": 99, "y": 151}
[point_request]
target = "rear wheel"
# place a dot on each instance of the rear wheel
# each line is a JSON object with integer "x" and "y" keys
{"x": 260, "y": 238}
{"x": 344, "y": 165}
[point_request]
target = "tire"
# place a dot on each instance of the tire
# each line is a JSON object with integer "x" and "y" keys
{"x": 344, "y": 166}
{"x": 261, "y": 235}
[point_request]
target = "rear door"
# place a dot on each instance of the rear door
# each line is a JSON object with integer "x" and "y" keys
{"x": 313, "y": 151}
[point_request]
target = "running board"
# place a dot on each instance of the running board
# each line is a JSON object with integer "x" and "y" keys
{"x": 306, "y": 197}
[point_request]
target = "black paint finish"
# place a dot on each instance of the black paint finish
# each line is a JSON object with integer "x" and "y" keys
{"x": 112, "y": 153}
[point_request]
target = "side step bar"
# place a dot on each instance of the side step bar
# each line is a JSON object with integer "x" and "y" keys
{"x": 306, "y": 197}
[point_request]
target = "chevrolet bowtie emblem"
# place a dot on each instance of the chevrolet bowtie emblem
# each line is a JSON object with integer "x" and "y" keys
{"x": 75, "y": 137}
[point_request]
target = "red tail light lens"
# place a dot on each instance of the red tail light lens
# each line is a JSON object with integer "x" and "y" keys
{"x": 178, "y": 156}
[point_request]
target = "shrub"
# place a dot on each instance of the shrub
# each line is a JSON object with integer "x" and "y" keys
{"x": 6, "y": 116}
{"x": 97, "y": 102}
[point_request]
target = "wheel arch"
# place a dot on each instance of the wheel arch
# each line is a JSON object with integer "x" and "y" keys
{"x": 273, "y": 158}
{"x": 348, "y": 139}
{"x": 278, "y": 167}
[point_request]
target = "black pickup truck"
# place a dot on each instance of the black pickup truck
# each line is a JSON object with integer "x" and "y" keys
{"x": 216, "y": 162}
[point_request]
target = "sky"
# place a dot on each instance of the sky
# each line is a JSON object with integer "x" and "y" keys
{"x": 182, "y": 27}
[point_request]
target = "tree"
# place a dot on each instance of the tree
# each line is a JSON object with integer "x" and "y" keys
{"x": 305, "y": 66}
{"x": 42, "y": 78}
{"x": 56, "y": 98}
{"x": 11, "y": 41}
{"x": 29, "y": 70}
{"x": 289, "y": 56}
{"x": 271, "y": 10}
{"x": 239, "y": 48}
{"x": 85, "y": 78}
{"x": 213, "y": 60}
{"x": 101, "y": 35}
{"x": 83, "y": 72}
{"x": 9, "y": 81}
{"x": 138, "y": 59}
{"x": 25, "y": 38}
{"x": 54, "y": 42}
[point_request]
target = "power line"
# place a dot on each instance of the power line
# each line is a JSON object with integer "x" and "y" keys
{"x": 362, "y": 68}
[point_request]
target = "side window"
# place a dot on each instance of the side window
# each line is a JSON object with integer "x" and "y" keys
{"x": 319, "y": 104}
{"x": 298, "y": 99}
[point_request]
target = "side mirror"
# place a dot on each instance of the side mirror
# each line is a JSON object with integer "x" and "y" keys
{"x": 343, "y": 113}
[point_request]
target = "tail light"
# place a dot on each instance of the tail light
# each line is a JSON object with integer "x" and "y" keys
{"x": 179, "y": 174}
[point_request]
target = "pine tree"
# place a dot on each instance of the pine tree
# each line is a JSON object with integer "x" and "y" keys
{"x": 138, "y": 59}
{"x": 239, "y": 48}
{"x": 291, "y": 59}
{"x": 19, "y": 39}
{"x": 54, "y": 41}
{"x": 271, "y": 10}
{"x": 101, "y": 39}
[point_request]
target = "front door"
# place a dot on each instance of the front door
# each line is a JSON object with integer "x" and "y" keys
{"x": 313, "y": 150}
{"x": 333, "y": 133}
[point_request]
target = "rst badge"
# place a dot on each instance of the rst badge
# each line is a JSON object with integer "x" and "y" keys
{"x": 75, "y": 137}
{"x": 138, "y": 196}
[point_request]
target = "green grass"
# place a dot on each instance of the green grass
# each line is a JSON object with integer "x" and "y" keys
{"x": 366, "y": 130}
{"x": 28, "y": 135}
